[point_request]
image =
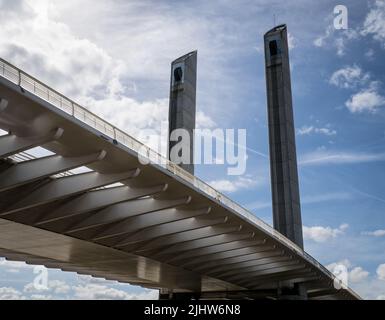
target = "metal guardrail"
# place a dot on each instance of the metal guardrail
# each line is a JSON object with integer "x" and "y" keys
{"x": 58, "y": 100}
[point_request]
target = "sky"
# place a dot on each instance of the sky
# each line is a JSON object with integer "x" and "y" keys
{"x": 114, "y": 57}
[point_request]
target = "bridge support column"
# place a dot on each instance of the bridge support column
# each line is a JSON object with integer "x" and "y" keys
{"x": 283, "y": 159}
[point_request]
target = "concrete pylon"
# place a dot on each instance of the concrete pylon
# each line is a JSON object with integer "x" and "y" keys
{"x": 182, "y": 111}
{"x": 283, "y": 159}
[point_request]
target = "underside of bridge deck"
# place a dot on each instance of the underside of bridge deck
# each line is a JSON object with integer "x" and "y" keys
{"x": 152, "y": 225}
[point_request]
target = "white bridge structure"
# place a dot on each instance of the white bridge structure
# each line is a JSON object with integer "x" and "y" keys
{"x": 151, "y": 225}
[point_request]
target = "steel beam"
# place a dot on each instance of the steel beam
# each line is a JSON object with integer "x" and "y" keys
{"x": 330, "y": 296}
{"x": 11, "y": 144}
{"x": 259, "y": 249}
{"x": 110, "y": 235}
{"x": 126, "y": 210}
{"x": 203, "y": 233}
{"x": 203, "y": 243}
{"x": 321, "y": 292}
{"x": 250, "y": 278}
{"x": 98, "y": 199}
{"x": 223, "y": 247}
{"x": 260, "y": 267}
{"x": 150, "y": 219}
{"x": 225, "y": 259}
{"x": 28, "y": 171}
{"x": 272, "y": 270}
{"x": 68, "y": 186}
{"x": 170, "y": 228}
{"x": 237, "y": 265}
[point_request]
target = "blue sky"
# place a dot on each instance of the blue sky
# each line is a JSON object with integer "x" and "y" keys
{"x": 116, "y": 60}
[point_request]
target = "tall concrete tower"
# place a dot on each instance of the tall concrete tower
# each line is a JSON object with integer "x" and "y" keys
{"x": 283, "y": 159}
{"x": 182, "y": 108}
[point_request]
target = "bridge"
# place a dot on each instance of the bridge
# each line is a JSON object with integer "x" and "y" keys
{"x": 151, "y": 225}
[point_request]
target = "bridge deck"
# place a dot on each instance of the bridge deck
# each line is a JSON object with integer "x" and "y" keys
{"x": 160, "y": 227}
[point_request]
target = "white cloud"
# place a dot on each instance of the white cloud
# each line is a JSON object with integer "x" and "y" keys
{"x": 14, "y": 266}
{"x": 100, "y": 289}
{"x": 376, "y": 233}
{"x": 53, "y": 287}
{"x": 93, "y": 291}
{"x": 338, "y": 41}
{"x": 375, "y": 22}
{"x": 147, "y": 31}
{"x": 40, "y": 297}
{"x": 132, "y": 116}
{"x": 366, "y": 100}
{"x": 30, "y": 288}
{"x": 348, "y": 77}
{"x": 8, "y": 293}
{"x": 307, "y": 130}
{"x": 87, "y": 287}
{"x": 59, "y": 287}
{"x": 322, "y": 156}
{"x": 355, "y": 274}
{"x": 203, "y": 121}
{"x": 381, "y": 271}
{"x": 225, "y": 185}
{"x": 320, "y": 41}
{"x": 30, "y": 38}
{"x": 86, "y": 72}
{"x": 371, "y": 288}
{"x": 78, "y": 67}
{"x": 358, "y": 274}
{"x": 344, "y": 262}
{"x": 323, "y": 234}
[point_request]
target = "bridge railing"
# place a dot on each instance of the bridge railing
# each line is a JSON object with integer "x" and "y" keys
{"x": 65, "y": 104}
